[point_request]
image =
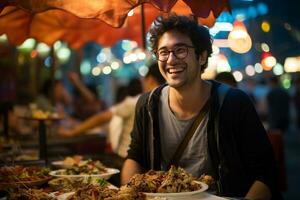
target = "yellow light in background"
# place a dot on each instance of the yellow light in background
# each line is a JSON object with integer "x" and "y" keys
{"x": 278, "y": 69}
{"x": 141, "y": 56}
{"x": 143, "y": 70}
{"x": 3, "y": 38}
{"x": 239, "y": 40}
{"x": 115, "y": 65}
{"x": 63, "y": 54}
{"x": 215, "y": 50}
{"x": 57, "y": 45}
{"x": 268, "y": 63}
{"x": 43, "y": 49}
{"x": 96, "y": 71}
{"x": 292, "y": 64}
{"x": 222, "y": 64}
{"x": 208, "y": 74}
{"x": 21, "y": 59}
{"x": 265, "y": 47}
{"x": 258, "y": 68}
{"x": 106, "y": 70}
{"x": 265, "y": 26}
{"x": 130, "y": 13}
{"x": 250, "y": 71}
{"x": 238, "y": 76}
{"x": 126, "y": 59}
{"x": 27, "y": 45}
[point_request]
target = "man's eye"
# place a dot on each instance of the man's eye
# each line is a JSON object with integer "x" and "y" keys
{"x": 163, "y": 53}
{"x": 180, "y": 50}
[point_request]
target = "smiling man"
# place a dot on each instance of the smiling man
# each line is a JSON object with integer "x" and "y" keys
{"x": 201, "y": 126}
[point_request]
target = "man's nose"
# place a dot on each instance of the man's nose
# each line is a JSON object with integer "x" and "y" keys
{"x": 171, "y": 57}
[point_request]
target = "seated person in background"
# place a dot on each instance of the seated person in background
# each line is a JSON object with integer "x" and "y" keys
{"x": 54, "y": 97}
{"x": 228, "y": 142}
{"x": 86, "y": 102}
{"x": 124, "y": 109}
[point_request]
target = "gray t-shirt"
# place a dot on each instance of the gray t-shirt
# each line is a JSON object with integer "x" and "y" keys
{"x": 195, "y": 158}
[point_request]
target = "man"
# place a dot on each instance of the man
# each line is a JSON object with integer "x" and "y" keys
{"x": 235, "y": 149}
{"x": 123, "y": 110}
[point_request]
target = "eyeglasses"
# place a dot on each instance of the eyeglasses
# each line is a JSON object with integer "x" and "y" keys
{"x": 180, "y": 52}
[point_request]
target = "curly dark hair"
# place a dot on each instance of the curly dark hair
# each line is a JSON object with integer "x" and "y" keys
{"x": 187, "y": 25}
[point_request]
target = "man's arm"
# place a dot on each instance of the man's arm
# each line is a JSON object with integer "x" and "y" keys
{"x": 129, "y": 169}
{"x": 95, "y": 120}
{"x": 83, "y": 90}
{"x": 259, "y": 191}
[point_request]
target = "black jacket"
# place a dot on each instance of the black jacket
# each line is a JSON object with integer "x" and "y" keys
{"x": 243, "y": 154}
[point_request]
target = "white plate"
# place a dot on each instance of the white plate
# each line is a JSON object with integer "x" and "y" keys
{"x": 107, "y": 175}
{"x": 180, "y": 194}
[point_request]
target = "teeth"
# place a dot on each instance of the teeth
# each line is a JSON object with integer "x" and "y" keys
{"x": 175, "y": 70}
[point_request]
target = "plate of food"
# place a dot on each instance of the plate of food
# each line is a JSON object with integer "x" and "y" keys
{"x": 202, "y": 187}
{"x": 20, "y": 176}
{"x": 174, "y": 183}
{"x": 69, "y": 173}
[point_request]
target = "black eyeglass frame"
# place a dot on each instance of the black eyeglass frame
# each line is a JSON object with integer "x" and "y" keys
{"x": 173, "y": 51}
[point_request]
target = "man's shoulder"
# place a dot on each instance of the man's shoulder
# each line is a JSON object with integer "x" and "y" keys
{"x": 142, "y": 100}
{"x": 237, "y": 99}
{"x": 150, "y": 97}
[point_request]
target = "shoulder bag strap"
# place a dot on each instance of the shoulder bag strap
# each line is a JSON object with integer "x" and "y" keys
{"x": 177, "y": 155}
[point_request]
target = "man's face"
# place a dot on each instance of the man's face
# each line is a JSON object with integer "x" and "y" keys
{"x": 178, "y": 72}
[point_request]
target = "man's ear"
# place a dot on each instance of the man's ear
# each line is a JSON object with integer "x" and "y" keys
{"x": 202, "y": 58}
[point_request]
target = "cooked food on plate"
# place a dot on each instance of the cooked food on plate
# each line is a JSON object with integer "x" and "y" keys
{"x": 71, "y": 184}
{"x": 30, "y": 194}
{"x": 207, "y": 179}
{"x": 70, "y": 161}
{"x": 173, "y": 181}
{"x": 23, "y": 176}
{"x": 87, "y": 167}
{"x": 92, "y": 192}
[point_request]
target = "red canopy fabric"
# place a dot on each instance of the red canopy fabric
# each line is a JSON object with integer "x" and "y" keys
{"x": 78, "y": 22}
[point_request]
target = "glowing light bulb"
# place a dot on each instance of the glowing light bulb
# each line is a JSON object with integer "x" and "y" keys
{"x": 239, "y": 40}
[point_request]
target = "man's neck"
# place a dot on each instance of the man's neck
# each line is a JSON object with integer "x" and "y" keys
{"x": 186, "y": 102}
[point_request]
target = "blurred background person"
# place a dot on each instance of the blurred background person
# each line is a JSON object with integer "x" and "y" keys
{"x": 227, "y": 78}
{"x": 278, "y": 103}
{"x": 54, "y": 97}
{"x": 119, "y": 135}
{"x": 85, "y": 101}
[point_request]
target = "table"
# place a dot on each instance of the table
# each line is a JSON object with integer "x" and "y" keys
{"x": 43, "y": 155}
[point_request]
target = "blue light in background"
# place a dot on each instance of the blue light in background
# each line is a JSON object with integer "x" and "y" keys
{"x": 262, "y": 8}
{"x": 252, "y": 12}
{"x": 48, "y": 62}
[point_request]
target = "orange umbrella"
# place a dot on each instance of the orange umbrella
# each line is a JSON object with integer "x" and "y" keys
{"x": 78, "y": 22}
{"x": 52, "y": 25}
